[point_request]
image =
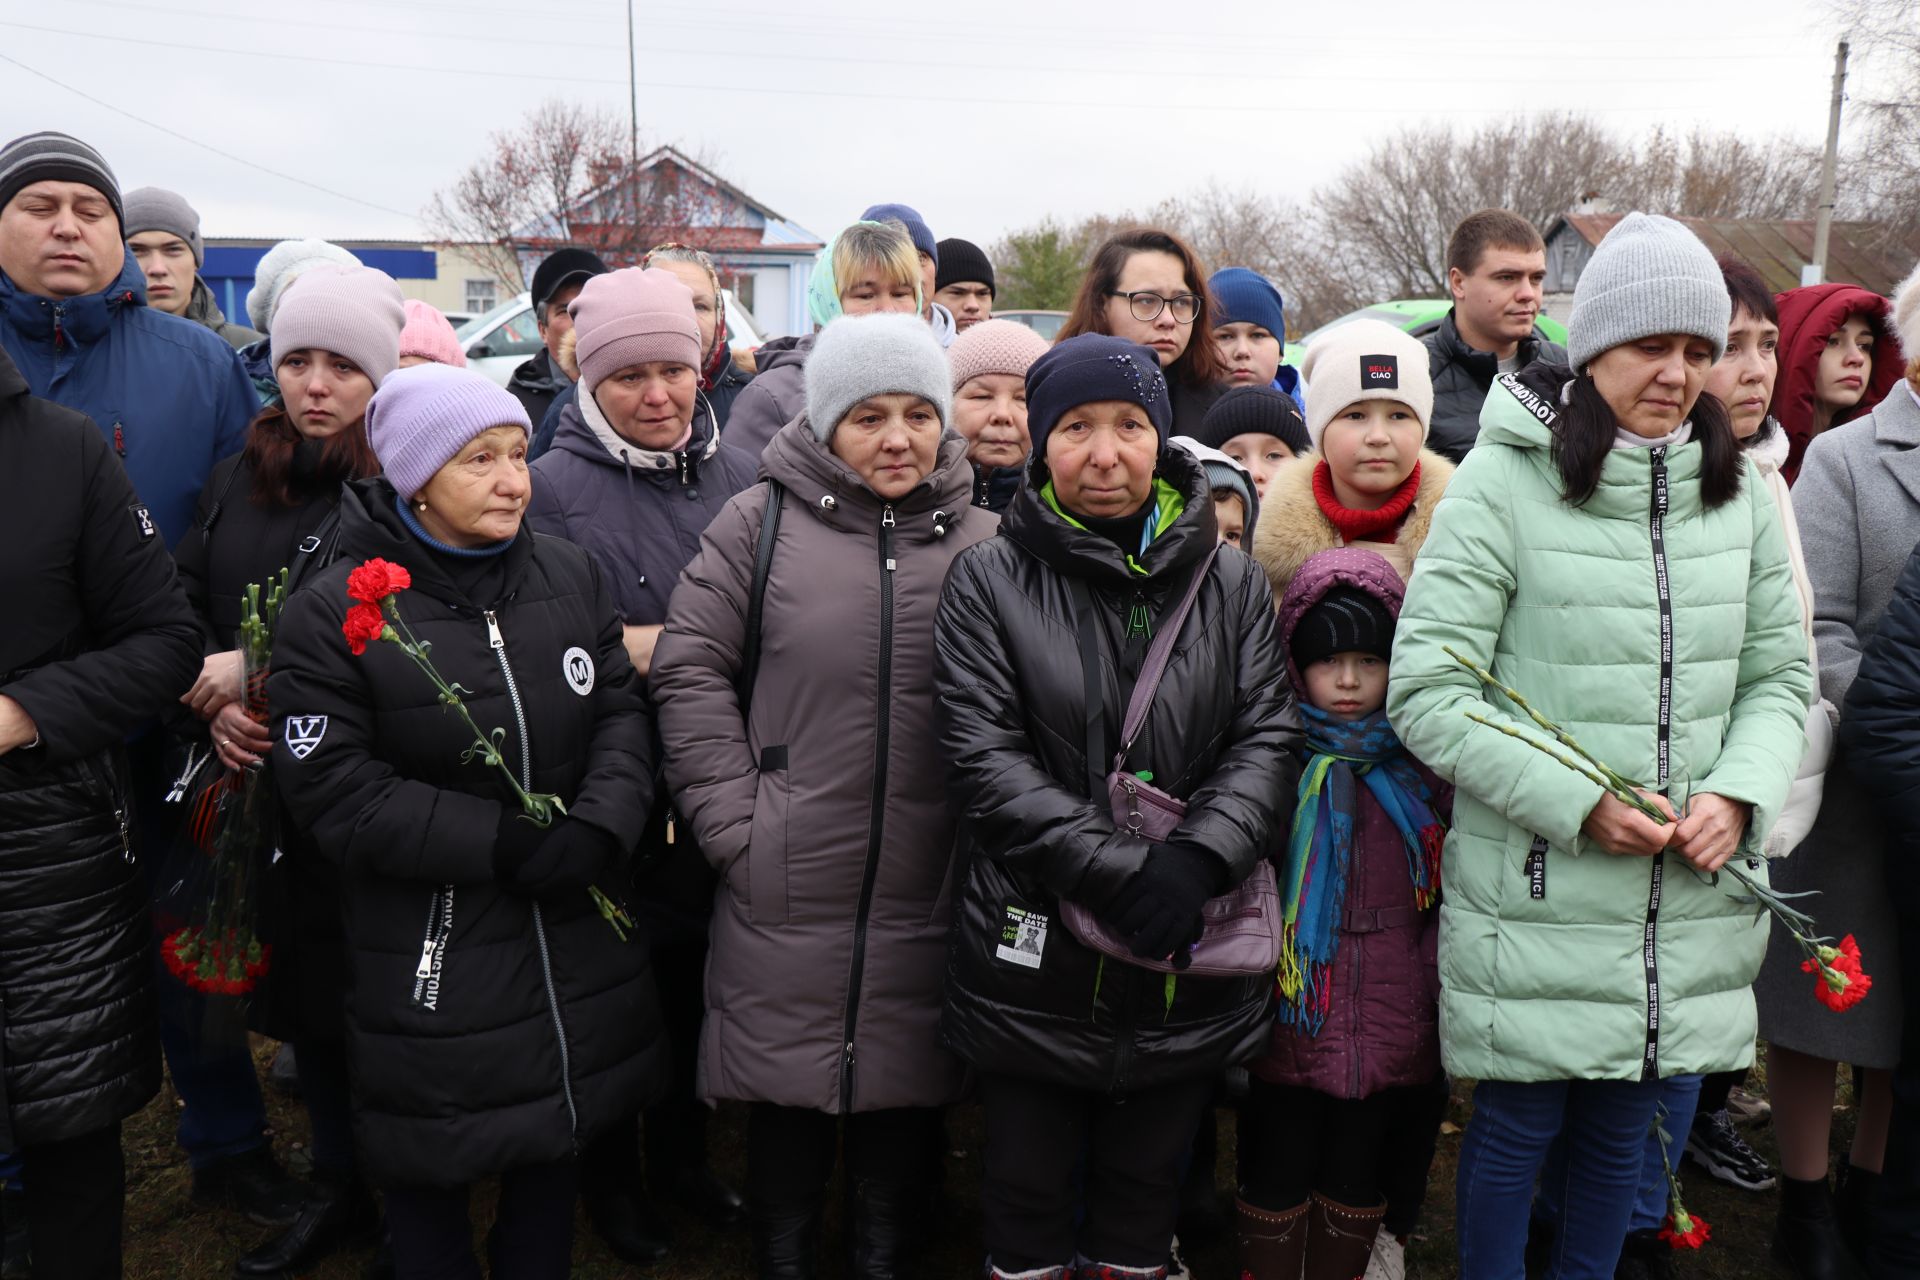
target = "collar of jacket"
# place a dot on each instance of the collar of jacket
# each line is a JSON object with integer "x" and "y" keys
{"x": 1060, "y": 542}
{"x": 1770, "y": 454}
{"x": 1482, "y": 364}
{"x": 370, "y": 525}
{"x": 202, "y": 309}
{"x": 1292, "y": 526}
{"x": 834, "y": 493}
{"x": 83, "y": 319}
{"x": 1522, "y": 411}
{"x": 945, "y": 330}
{"x": 1167, "y": 506}
{"x": 584, "y": 430}
{"x": 538, "y": 374}
{"x": 13, "y": 383}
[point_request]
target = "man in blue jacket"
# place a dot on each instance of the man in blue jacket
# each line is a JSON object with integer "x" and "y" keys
{"x": 171, "y": 397}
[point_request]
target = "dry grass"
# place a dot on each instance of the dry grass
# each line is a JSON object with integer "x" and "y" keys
{"x": 169, "y": 1239}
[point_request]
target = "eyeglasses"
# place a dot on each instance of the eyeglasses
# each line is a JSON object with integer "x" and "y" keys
{"x": 1147, "y": 305}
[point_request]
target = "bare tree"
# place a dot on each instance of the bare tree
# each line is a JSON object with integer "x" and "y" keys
{"x": 1885, "y": 101}
{"x": 564, "y": 176}
{"x": 1721, "y": 175}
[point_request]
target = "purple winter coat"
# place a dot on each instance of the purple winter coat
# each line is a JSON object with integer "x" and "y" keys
{"x": 1383, "y": 1023}
{"x": 776, "y": 396}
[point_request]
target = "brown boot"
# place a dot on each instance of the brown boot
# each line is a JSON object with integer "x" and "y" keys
{"x": 1271, "y": 1244}
{"x": 1340, "y": 1239}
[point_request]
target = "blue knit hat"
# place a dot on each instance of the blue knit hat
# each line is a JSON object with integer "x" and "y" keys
{"x": 1089, "y": 368}
{"x": 909, "y": 217}
{"x": 1247, "y": 297}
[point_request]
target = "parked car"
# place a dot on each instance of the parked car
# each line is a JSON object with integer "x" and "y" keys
{"x": 1045, "y": 323}
{"x": 506, "y": 337}
{"x": 1418, "y": 316}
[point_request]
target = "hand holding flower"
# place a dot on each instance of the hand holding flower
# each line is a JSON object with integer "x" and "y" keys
{"x": 1711, "y": 832}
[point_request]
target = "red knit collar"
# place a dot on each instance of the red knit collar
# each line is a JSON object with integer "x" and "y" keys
{"x": 1382, "y": 525}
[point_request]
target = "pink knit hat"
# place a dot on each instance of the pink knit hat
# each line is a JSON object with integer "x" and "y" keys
{"x": 422, "y": 417}
{"x": 994, "y": 346}
{"x": 355, "y": 312}
{"x": 630, "y": 317}
{"x": 429, "y": 335}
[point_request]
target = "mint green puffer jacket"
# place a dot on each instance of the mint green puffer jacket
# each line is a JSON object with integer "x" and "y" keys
{"x": 1588, "y": 966}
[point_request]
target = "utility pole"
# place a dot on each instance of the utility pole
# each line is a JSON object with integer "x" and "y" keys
{"x": 1816, "y": 271}
{"x": 633, "y": 93}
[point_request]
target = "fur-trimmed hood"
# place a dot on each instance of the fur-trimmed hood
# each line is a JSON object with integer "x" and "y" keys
{"x": 1292, "y": 527}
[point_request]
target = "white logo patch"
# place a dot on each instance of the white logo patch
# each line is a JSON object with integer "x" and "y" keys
{"x": 577, "y": 667}
{"x": 304, "y": 734}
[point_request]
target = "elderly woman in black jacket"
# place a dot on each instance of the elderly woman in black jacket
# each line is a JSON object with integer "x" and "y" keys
{"x": 1078, "y": 1052}
{"x": 495, "y": 1022}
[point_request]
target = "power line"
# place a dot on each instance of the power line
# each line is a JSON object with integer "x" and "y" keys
{"x": 204, "y": 146}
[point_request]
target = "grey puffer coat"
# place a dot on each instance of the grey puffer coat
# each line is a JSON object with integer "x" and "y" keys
{"x": 823, "y": 810}
{"x": 774, "y": 398}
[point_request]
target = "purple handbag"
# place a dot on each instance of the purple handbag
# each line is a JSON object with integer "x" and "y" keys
{"x": 1241, "y": 933}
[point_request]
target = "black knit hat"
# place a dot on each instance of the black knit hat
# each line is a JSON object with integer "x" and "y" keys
{"x": 1249, "y": 409}
{"x": 562, "y": 266}
{"x": 962, "y": 260}
{"x": 1345, "y": 620}
{"x": 56, "y": 157}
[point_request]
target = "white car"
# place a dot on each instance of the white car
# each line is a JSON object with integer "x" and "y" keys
{"x": 507, "y": 337}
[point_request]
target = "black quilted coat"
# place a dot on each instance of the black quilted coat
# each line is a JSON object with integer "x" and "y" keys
{"x": 1012, "y": 695}
{"x": 98, "y": 639}
{"x": 485, "y": 1030}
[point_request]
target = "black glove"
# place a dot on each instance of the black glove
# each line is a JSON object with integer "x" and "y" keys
{"x": 1158, "y": 909}
{"x": 571, "y": 858}
{"x": 515, "y": 839}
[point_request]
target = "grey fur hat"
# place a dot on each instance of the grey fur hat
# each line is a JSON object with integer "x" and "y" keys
{"x": 1649, "y": 276}
{"x": 859, "y": 356}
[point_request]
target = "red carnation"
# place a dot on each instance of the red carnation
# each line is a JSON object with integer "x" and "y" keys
{"x": 377, "y": 579}
{"x": 1843, "y": 983}
{"x": 1685, "y": 1231}
{"x": 365, "y": 623}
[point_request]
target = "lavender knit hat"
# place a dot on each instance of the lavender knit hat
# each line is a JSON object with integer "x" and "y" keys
{"x": 356, "y": 312}
{"x": 422, "y": 417}
{"x": 633, "y": 316}
{"x": 994, "y": 346}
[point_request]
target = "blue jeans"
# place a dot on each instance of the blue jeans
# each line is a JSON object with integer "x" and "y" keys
{"x": 1514, "y": 1126}
{"x": 1678, "y": 1096}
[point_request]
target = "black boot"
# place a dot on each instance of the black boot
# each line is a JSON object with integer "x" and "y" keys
{"x": 1854, "y": 1193}
{"x": 1644, "y": 1256}
{"x": 339, "y": 1214}
{"x": 629, "y": 1225}
{"x": 700, "y": 1191}
{"x": 1807, "y": 1237}
{"x": 883, "y": 1231}
{"x": 251, "y": 1183}
{"x": 786, "y": 1243}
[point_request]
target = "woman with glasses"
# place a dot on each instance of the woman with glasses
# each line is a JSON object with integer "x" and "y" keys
{"x": 1146, "y": 286}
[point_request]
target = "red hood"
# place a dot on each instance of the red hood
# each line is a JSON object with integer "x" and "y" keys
{"x": 1808, "y": 316}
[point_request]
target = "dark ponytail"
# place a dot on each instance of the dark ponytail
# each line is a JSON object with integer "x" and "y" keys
{"x": 1583, "y": 437}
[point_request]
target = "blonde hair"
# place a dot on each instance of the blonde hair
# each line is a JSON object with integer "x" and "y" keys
{"x": 881, "y": 247}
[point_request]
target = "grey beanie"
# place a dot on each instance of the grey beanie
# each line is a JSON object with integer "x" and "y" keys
{"x": 152, "y": 209}
{"x": 859, "y": 356}
{"x": 56, "y": 157}
{"x": 1649, "y": 276}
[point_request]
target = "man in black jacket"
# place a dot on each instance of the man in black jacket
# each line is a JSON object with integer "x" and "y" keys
{"x": 556, "y": 282}
{"x": 100, "y": 639}
{"x": 1496, "y": 265}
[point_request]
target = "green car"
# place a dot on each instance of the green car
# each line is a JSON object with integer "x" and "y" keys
{"x": 1418, "y": 316}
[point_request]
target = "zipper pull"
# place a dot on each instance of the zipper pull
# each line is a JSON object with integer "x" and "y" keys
{"x": 669, "y": 826}
{"x": 493, "y": 631}
{"x": 424, "y": 969}
{"x": 886, "y": 516}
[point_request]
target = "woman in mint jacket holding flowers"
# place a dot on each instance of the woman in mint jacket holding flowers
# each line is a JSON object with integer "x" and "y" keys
{"x": 1608, "y": 552}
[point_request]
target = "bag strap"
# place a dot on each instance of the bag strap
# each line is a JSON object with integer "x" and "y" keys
{"x": 316, "y": 550}
{"x": 1159, "y": 653}
{"x": 1094, "y": 704}
{"x": 757, "y": 594}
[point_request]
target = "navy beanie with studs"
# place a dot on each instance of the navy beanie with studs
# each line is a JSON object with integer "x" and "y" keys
{"x": 1089, "y": 368}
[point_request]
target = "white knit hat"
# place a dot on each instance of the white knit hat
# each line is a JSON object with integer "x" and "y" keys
{"x": 1906, "y": 314}
{"x": 859, "y": 356}
{"x": 1366, "y": 360}
{"x": 279, "y": 267}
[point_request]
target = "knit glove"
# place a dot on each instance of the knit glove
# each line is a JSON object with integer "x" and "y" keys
{"x": 1158, "y": 910}
{"x": 515, "y": 839}
{"x": 569, "y": 860}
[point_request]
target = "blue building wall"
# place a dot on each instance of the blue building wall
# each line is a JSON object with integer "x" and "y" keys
{"x": 229, "y": 271}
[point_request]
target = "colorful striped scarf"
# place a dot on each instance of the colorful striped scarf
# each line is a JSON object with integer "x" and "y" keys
{"x": 1313, "y": 888}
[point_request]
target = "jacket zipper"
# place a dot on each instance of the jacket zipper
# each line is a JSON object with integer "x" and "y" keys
{"x": 499, "y": 645}
{"x": 1650, "y": 939}
{"x": 876, "y": 820}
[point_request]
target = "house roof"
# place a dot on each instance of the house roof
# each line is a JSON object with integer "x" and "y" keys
{"x": 780, "y": 231}
{"x": 1869, "y": 254}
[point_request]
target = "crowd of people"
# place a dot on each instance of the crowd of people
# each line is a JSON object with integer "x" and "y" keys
{"x": 917, "y": 713}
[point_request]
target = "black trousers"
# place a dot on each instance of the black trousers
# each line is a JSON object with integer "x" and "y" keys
{"x": 1134, "y": 1145}
{"x": 1406, "y": 1156}
{"x": 75, "y": 1197}
{"x": 676, "y": 1127}
{"x": 1894, "y": 1249}
{"x": 1307, "y": 1141}
{"x": 791, "y": 1151}
{"x": 532, "y": 1236}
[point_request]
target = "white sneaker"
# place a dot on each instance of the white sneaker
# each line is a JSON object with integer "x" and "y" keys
{"x": 1176, "y": 1263}
{"x": 1389, "y": 1261}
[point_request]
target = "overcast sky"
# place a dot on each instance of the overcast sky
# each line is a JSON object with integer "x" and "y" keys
{"x": 986, "y": 115}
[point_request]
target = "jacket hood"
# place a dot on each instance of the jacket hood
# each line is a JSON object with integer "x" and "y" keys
{"x": 834, "y": 493}
{"x": 84, "y": 317}
{"x": 1075, "y": 552}
{"x": 944, "y": 328}
{"x": 1323, "y": 571}
{"x": 1770, "y": 454}
{"x": 782, "y": 352}
{"x": 1808, "y": 317}
{"x": 1292, "y": 528}
{"x": 202, "y": 309}
{"x": 370, "y": 525}
{"x": 584, "y": 431}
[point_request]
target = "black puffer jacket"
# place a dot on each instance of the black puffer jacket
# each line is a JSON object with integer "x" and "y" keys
{"x": 99, "y": 638}
{"x": 1462, "y": 376}
{"x": 236, "y": 540}
{"x": 1012, "y": 698}
{"x": 535, "y": 1028}
{"x": 1880, "y": 731}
